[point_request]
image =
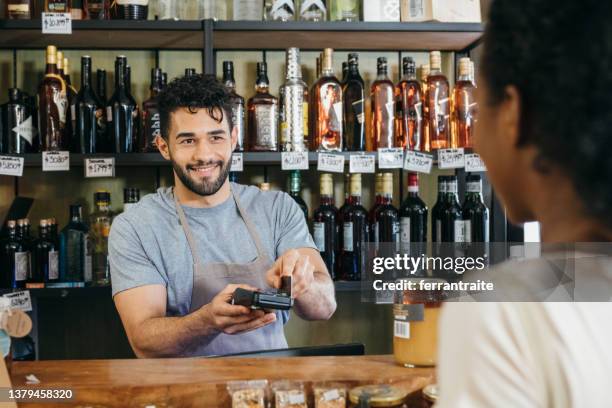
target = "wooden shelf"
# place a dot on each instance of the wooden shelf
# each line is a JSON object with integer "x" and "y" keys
{"x": 255, "y": 35}
{"x": 243, "y": 35}
{"x": 108, "y": 34}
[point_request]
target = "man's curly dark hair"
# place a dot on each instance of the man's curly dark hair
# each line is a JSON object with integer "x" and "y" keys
{"x": 558, "y": 54}
{"x": 195, "y": 92}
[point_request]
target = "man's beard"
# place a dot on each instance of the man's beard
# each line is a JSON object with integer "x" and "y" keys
{"x": 203, "y": 188}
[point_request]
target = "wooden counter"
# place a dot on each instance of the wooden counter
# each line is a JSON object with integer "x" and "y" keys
{"x": 199, "y": 382}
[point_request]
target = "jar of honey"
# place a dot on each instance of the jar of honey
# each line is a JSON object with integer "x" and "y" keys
{"x": 415, "y": 328}
{"x": 382, "y": 395}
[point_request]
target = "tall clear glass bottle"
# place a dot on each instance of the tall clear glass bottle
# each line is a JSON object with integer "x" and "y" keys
{"x": 263, "y": 114}
{"x": 327, "y": 108}
{"x": 294, "y": 106}
{"x": 383, "y": 107}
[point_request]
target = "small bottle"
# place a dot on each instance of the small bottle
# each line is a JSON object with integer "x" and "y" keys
{"x": 464, "y": 106}
{"x": 19, "y": 130}
{"x": 237, "y": 103}
{"x": 52, "y": 104}
{"x": 15, "y": 259}
{"x": 383, "y": 108}
{"x": 313, "y": 10}
{"x": 75, "y": 249}
{"x": 438, "y": 104}
{"x": 279, "y": 10}
{"x": 263, "y": 114}
{"x": 131, "y": 196}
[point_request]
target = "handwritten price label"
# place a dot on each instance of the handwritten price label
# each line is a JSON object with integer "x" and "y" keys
{"x": 20, "y": 300}
{"x": 451, "y": 158}
{"x": 418, "y": 162}
{"x": 330, "y": 162}
{"x": 100, "y": 167}
{"x": 390, "y": 158}
{"x": 56, "y": 23}
{"x": 294, "y": 160}
{"x": 11, "y": 166}
{"x": 237, "y": 162}
{"x": 473, "y": 163}
{"x": 56, "y": 161}
{"x": 362, "y": 163}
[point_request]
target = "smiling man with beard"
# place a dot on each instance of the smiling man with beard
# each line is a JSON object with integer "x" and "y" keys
{"x": 179, "y": 254}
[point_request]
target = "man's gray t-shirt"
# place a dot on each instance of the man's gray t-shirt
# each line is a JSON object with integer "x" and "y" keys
{"x": 147, "y": 244}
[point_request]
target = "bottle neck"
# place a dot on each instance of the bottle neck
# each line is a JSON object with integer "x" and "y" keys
{"x": 409, "y": 75}
{"x": 12, "y": 233}
{"x": 85, "y": 76}
{"x": 43, "y": 232}
{"x": 354, "y": 199}
{"x": 228, "y": 79}
{"x": 465, "y": 78}
{"x": 120, "y": 77}
{"x": 386, "y": 199}
{"x": 327, "y": 200}
{"x": 103, "y": 206}
{"x": 263, "y": 84}
{"x": 382, "y": 73}
{"x": 51, "y": 69}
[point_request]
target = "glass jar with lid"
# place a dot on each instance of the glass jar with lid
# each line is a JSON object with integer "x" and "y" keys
{"x": 382, "y": 395}
{"x": 415, "y": 328}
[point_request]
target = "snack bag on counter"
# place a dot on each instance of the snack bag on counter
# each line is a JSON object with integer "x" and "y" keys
{"x": 248, "y": 394}
{"x": 329, "y": 395}
{"x": 289, "y": 394}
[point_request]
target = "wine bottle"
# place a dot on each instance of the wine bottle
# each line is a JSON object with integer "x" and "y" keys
{"x": 474, "y": 212}
{"x": 121, "y": 112}
{"x": 436, "y": 211}
{"x": 75, "y": 249}
{"x": 385, "y": 227}
{"x": 45, "y": 258}
{"x": 295, "y": 188}
{"x": 325, "y": 224}
{"x": 90, "y": 122}
{"x": 413, "y": 222}
{"x": 354, "y": 234}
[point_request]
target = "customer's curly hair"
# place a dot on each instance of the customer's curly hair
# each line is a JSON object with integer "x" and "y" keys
{"x": 194, "y": 92}
{"x": 558, "y": 54}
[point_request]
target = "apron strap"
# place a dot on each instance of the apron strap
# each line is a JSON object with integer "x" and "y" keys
{"x": 261, "y": 253}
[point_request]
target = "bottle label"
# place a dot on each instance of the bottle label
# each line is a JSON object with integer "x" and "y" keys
{"x": 152, "y": 127}
{"x": 238, "y": 121}
{"x": 460, "y": 231}
{"x": 319, "y": 235}
{"x": 468, "y": 230}
{"x": 60, "y": 100}
{"x": 405, "y": 230}
{"x": 347, "y": 236}
{"x": 266, "y": 129}
{"x": 26, "y": 130}
{"x": 53, "y": 265}
{"x": 401, "y": 329}
{"x": 438, "y": 231}
{"x": 358, "y": 111}
{"x": 22, "y": 263}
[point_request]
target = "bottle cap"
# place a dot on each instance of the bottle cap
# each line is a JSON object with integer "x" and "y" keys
{"x": 328, "y": 56}
{"x": 435, "y": 60}
{"x": 51, "y": 54}
{"x": 465, "y": 65}
{"x": 60, "y": 60}
{"x": 408, "y": 66}
{"x": 425, "y": 69}
{"x": 353, "y": 58}
{"x": 387, "y": 184}
{"x": 326, "y": 184}
{"x": 355, "y": 184}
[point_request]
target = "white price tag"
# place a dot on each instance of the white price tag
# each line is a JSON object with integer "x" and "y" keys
{"x": 362, "y": 163}
{"x": 390, "y": 158}
{"x": 56, "y": 161}
{"x": 473, "y": 162}
{"x": 100, "y": 167}
{"x": 11, "y": 166}
{"x": 56, "y": 23}
{"x": 237, "y": 162}
{"x": 418, "y": 162}
{"x": 294, "y": 160}
{"x": 330, "y": 162}
{"x": 20, "y": 300}
{"x": 451, "y": 158}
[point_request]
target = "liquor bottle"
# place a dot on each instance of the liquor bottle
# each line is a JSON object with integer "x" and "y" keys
{"x": 248, "y": 9}
{"x": 383, "y": 107}
{"x": 90, "y": 122}
{"x": 263, "y": 114}
{"x": 100, "y": 224}
{"x": 295, "y": 189}
{"x": 101, "y": 85}
{"x": 132, "y": 9}
{"x": 424, "y": 74}
{"x": 475, "y": 213}
{"x": 15, "y": 259}
{"x": 237, "y": 103}
{"x": 53, "y": 231}
{"x": 97, "y": 9}
{"x": 164, "y": 79}
{"x": 313, "y": 10}
{"x": 293, "y": 115}
{"x": 75, "y": 249}
{"x": 436, "y": 211}
{"x": 354, "y": 107}
{"x": 76, "y": 9}
{"x": 71, "y": 94}
{"x": 354, "y": 227}
{"x": 19, "y": 9}
{"x": 325, "y": 224}
{"x": 151, "y": 126}
{"x": 344, "y": 10}
{"x": 18, "y": 126}
{"x": 311, "y": 106}
{"x": 464, "y": 106}
{"x": 327, "y": 108}
{"x": 452, "y": 226}
{"x": 167, "y": 10}
{"x": 385, "y": 226}
{"x": 57, "y": 6}
{"x": 378, "y": 187}
{"x": 438, "y": 104}
{"x": 279, "y": 10}
{"x": 189, "y": 72}
{"x": 409, "y": 108}
{"x": 131, "y": 196}
{"x": 45, "y": 258}
{"x": 121, "y": 112}
{"x": 52, "y": 104}
{"x": 413, "y": 220}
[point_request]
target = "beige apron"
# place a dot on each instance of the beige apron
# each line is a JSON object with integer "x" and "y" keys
{"x": 210, "y": 279}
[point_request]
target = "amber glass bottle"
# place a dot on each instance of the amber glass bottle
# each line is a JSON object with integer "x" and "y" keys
{"x": 383, "y": 107}
{"x": 327, "y": 108}
{"x": 52, "y": 104}
{"x": 409, "y": 110}
{"x": 464, "y": 106}
{"x": 438, "y": 104}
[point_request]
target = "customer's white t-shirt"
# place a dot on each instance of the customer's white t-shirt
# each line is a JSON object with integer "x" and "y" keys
{"x": 530, "y": 354}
